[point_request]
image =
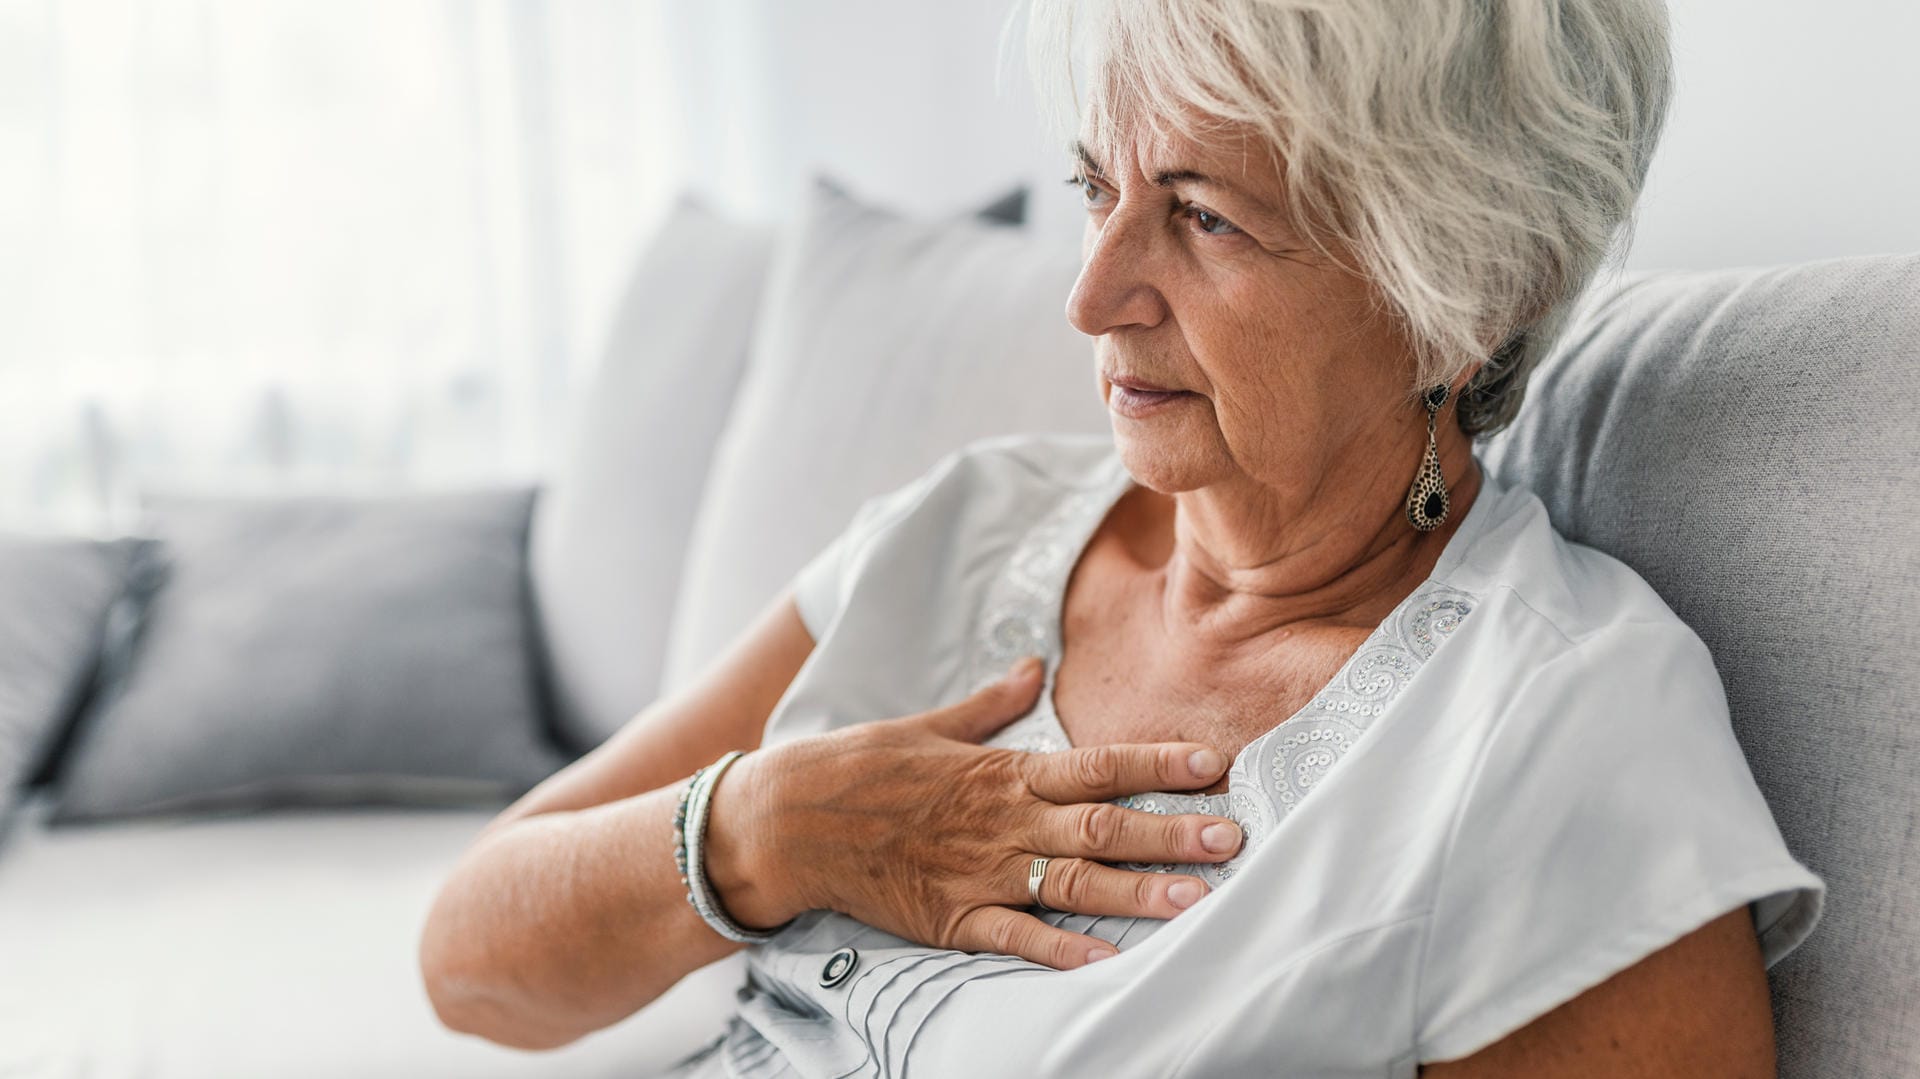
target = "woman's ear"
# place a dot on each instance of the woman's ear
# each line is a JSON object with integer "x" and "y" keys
{"x": 1464, "y": 379}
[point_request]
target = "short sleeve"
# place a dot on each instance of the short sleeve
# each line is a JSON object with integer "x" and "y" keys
{"x": 1611, "y": 812}
{"x": 820, "y": 587}
{"x": 816, "y": 587}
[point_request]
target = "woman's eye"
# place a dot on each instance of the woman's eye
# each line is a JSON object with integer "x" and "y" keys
{"x": 1207, "y": 220}
{"x": 1088, "y": 189}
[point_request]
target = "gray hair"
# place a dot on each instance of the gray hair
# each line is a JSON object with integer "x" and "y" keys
{"x": 1476, "y": 157}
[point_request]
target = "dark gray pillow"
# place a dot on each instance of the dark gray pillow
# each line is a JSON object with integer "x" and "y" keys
{"x": 317, "y": 651}
{"x": 54, "y": 597}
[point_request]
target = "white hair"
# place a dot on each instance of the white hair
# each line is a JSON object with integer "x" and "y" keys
{"x": 1477, "y": 158}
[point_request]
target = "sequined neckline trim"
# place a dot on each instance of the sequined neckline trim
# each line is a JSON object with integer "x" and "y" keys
{"x": 1275, "y": 771}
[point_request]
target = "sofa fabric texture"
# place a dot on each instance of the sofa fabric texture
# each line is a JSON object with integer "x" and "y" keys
{"x": 317, "y": 650}
{"x": 55, "y": 594}
{"x": 1746, "y": 439}
{"x": 883, "y": 342}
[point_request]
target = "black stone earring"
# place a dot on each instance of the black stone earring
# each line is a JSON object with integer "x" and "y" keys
{"x": 1427, "y": 500}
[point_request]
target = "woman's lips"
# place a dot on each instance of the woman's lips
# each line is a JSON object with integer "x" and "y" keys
{"x": 1138, "y": 403}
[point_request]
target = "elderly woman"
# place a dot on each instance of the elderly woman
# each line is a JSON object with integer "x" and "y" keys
{"x": 1338, "y": 760}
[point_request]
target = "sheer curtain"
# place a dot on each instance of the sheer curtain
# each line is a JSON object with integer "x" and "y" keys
{"x": 339, "y": 245}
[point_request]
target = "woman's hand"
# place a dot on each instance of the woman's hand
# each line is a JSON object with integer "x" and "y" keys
{"x": 913, "y": 827}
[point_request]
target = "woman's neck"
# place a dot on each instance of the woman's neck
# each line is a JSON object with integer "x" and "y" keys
{"x": 1232, "y": 579}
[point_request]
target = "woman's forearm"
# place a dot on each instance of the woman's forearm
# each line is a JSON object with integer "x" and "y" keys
{"x": 562, "y": 923}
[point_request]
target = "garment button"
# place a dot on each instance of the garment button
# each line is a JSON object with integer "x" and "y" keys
{"x": 839, "y": 965}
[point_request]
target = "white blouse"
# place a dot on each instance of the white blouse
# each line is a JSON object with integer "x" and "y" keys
{"x": 1524, "y": 781}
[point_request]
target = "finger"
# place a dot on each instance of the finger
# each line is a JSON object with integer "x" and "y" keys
{"x": 1097, "y": 773}
{"x": 1012, "y": 932}
{"x": 991, "y": 707}
{"x": 1087, "y": 887}
{"x": 1109, "y": 833}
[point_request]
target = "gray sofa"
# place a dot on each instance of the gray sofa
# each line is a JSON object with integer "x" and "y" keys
{"x": 1743, "y": 438}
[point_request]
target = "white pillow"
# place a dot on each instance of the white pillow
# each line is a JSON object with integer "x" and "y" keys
{"x": 883, "y": 343}
{"x": 610, "y": 528}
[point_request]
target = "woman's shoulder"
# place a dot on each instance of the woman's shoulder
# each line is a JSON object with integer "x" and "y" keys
{"x": 938, "y": 529}
{"x": 1599, "y": 805}
{"x": 1560, "y": 589}
{"x": 987, "y": 489}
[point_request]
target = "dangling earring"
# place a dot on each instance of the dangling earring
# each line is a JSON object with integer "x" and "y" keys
{"x": 1427, "y": 500}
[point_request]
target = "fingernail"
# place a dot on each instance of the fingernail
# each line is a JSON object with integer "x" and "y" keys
{"x": 1024, "y": 669}
{"x": 1219, "y": 836}
{"x": 1185, "y": 893}
{"x": 1094, "y": 955}
{"x": 1205, "y": 762}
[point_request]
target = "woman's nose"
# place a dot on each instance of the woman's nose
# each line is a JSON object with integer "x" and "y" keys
{"x": 1116, "y": 285}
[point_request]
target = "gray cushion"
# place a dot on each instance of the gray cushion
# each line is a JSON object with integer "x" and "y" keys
{"x": 318, "y": 650}
{"x": 54, "y": 597}
{"x": 1747, "y": 440}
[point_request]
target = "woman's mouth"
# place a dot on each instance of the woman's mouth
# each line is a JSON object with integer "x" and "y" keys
{"x": 1139, "y": 403}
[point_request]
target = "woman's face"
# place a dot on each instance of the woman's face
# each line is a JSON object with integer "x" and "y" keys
{"x": 1193, "y": 280}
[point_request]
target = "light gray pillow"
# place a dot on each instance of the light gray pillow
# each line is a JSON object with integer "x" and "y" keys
{"x": 54, "y": 598}
{"x": 1746, "y": 440}
{"x": 611, "y": 529}
{"x": 318, "y": 650}
{"x": 883, "y": 341}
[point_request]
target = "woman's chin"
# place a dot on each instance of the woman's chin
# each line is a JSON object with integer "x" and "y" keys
{"x": 1166, "y": 460}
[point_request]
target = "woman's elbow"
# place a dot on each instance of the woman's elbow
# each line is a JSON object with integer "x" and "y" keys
{"x": 466, "y": 1006}
{"x": 470, "y": 1001}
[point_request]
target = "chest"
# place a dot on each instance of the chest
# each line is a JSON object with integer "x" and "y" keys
{"x": 1119, "y": 679}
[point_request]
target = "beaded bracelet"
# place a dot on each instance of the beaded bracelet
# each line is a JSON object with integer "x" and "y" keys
{"x": 689, "y": 854}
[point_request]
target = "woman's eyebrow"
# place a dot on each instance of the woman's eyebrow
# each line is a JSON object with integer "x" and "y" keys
{"x": 1080, "y": 151}
{"x": 1169, "y": 177}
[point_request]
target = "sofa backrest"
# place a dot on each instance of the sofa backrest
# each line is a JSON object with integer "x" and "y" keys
{"x": 610, "y": 529}
{"x": 614, "y": 527}
{"x": 1747, "y": 440}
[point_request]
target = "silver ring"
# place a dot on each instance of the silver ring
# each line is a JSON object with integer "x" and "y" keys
{"x": 1036, "y": 872}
